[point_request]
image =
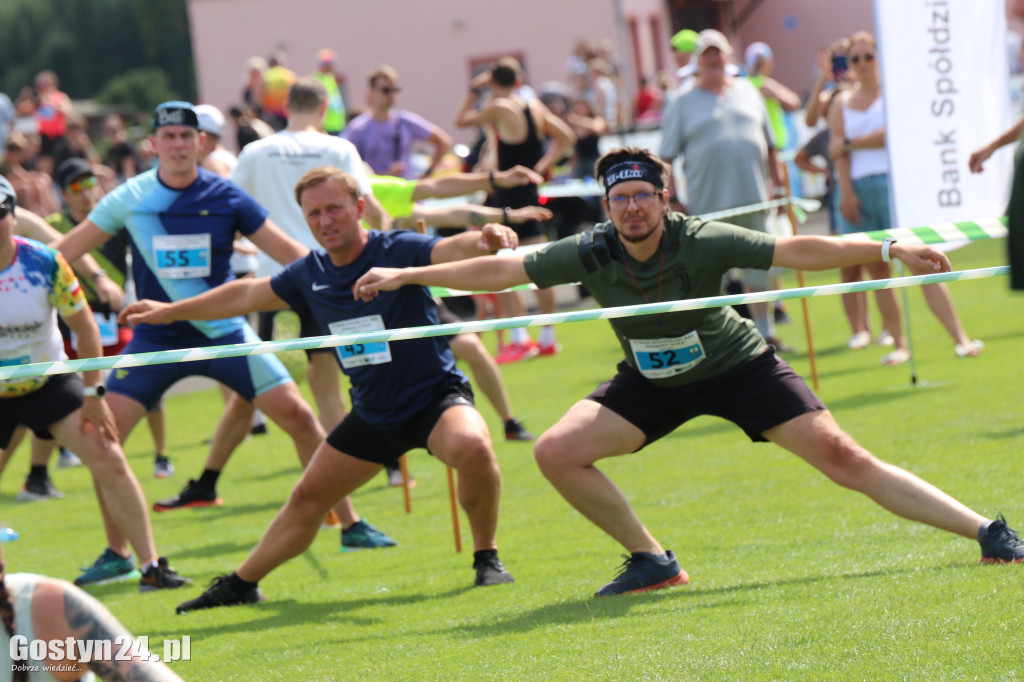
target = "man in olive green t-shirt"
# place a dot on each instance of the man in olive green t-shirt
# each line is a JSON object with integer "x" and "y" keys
{"x": 682, "y": 365}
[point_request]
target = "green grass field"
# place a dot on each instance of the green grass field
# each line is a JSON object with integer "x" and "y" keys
{"x": 791, "y": 577}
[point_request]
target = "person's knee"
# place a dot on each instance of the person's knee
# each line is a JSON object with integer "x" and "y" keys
{"x": 552, "y": 454}
{"x": 847, "y": 463}
{"x": 306, "y": 504}
{"x": 473, "y": 453}
{"x": 103, "y": 459}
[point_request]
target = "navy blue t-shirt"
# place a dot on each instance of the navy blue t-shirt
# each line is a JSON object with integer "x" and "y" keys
{"x": 391, "y": 382}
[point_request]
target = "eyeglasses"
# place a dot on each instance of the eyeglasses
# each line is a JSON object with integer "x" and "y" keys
{"x": 81, "y": 185}
{"x": 868, "y": 58}
{"x": 389, "y": 91}
{"x": 642, "y": 199}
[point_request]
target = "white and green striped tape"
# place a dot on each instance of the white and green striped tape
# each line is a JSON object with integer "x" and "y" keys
{"x": 940, "y": 233}
{"x": 244, "y": 349}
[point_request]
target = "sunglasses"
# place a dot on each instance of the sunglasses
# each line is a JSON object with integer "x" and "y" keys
{"x": 389, "y": 91}
{"x": 81, "y": 185}
{"x": 6, "y": 207}
{"x": 868, "y": 58}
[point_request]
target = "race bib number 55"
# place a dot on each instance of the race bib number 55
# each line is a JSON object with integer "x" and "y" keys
{"x": 662, "y": 358}
{"x": 360, "y": 354}
{"x": 182, "y": 256}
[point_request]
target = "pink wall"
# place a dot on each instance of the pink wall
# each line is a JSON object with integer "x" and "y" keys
{"x": 430, "y": 43}
{"x": 797, "y": 29}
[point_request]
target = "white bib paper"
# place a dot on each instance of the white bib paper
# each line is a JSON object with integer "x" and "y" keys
{"x": 662, "y": 358}
{"x": 360, "y": 354}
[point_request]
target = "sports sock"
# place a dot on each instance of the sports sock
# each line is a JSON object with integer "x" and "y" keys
{"x": 547, "y": 335}
{"x": 37, "y": 473}
{"x": 519, "y": 335}
{"x": 239, "y": 584}
{"x": 208, "y": 479}
{"x": 484, "y": 554}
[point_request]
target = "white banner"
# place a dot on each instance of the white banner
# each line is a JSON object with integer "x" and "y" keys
{"x": 945, "y": 79}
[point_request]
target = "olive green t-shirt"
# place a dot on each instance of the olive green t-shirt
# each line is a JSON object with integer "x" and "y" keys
{"x": 671, "y": 349}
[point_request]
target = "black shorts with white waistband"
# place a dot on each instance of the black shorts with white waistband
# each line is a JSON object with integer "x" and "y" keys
{"x": 756, "y": 396}
{"x": 42, "y": 408}
{"x": 356, "y": 437}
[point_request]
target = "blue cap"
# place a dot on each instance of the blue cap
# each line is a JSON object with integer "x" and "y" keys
{"x": 175, "y": 114}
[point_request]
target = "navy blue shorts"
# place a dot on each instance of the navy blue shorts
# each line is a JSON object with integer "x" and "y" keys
{"x": 756, "y": 396}
{"x": 248, "y": 376}
{"x": 357, "y": 437}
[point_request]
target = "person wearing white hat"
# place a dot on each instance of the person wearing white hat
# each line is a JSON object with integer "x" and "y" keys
{"x": 721, "y": 128}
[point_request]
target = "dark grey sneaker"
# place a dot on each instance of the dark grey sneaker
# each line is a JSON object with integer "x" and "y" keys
{"x": 645, "y": 571}
{"x": 1000, "y": 544}
{"x": 490, "y": 570}
{"x": 161, "y": 577}
{"x": 37, "y": 490}
{"x": 222, "y": 591}
{"x": 514, "y": 430}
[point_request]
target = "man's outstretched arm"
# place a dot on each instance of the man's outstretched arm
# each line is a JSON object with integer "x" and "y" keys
{"x": 492, "y": 273}
{"x": 241, "y": 297}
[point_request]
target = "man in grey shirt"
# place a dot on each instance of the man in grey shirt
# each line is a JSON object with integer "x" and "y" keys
{"x": 721, "y": 128}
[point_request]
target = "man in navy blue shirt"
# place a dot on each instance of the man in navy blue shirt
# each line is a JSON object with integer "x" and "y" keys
{"x": 404, "y": 395}
{"x": 182, "y": 220}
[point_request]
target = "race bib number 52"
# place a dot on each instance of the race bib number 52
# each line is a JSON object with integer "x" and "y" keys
{"x": 662, "y": 358}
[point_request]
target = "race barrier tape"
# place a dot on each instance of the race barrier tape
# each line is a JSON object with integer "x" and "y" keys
{"x": 940, "y": 233}
{"x": 244, "y": 349}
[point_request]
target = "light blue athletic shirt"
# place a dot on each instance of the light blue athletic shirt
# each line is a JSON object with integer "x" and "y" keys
{"x": 182, "y": 243}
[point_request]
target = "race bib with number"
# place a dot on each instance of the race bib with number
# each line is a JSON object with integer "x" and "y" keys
{"x": 663, "y": 358}
{"x": 14, "y": 361}
{"x": 182, "y": 256}
{"x": 108, "y": 330}
{"x": 361, "y": 354}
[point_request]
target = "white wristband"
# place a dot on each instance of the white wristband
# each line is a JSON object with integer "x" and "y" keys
{"x": 886, "y": 245}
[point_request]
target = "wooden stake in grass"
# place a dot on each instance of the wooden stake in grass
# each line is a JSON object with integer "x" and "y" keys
{"x": 406, "y": 495}
{"x": 811, "y": 355}
{"x": 421, "y": 227}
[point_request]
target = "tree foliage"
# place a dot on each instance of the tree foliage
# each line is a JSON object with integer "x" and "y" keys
{"x": 96, "y": 45}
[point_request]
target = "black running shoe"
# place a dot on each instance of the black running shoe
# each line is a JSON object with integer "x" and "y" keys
{"x": 190, "y": 496}
{"x": 222, "y": 592}
{"x": 645, "y": 571}
{"x": 1000, "y": 544}
{"x": 161, "y": 577}
{"x": 514, "y": 430}
{"x": 490, "y": 570}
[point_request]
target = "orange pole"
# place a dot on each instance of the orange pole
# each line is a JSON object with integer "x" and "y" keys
{"x": 455, "y": 510}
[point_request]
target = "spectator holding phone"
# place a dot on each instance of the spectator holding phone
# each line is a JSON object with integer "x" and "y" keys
{"x": 833, "y": 73}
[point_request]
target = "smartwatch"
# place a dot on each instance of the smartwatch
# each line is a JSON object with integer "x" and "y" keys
{"x": 97, "y": 391}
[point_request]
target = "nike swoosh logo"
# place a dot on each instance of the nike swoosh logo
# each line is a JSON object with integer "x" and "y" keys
{"x": 321, "y": 287}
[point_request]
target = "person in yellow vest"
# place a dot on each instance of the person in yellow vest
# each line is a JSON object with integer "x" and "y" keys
{"x": 334, "y": 119}
{"x": 778, "y": 99}
{"x": 277, "y": 80}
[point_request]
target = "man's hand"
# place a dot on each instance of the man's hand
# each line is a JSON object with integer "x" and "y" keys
{"x": 517, "y": 216}
{"x": 517, "y": 176}
{"x": 146, "y": 312}
{"x": 481, "y": 80}
{"x": 849, "y": 206}
{"x": 921, "y": 259}
{"x": 377, "y": 280}
{"x": 978, "y": 158}
{"x": 109, "y": 293}
{"x": 95, "y": 411}
{"x": 494, "y": 237}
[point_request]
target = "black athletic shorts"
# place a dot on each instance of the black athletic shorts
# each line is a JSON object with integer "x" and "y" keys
{"x": 42, "y": 408}
{"x": 357, "y": 437}
{"x": 756, "y": 396}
